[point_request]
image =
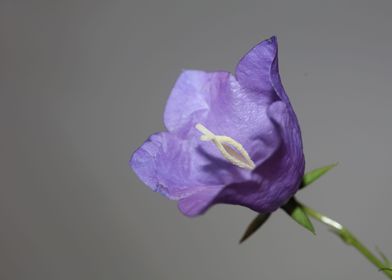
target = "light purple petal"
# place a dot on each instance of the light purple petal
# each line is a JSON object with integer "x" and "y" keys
{"x": 191, "y": 97}
{"x": 178, "y": 168}
{"x": 161, "y": 164}
{"x": 199, "y": 202}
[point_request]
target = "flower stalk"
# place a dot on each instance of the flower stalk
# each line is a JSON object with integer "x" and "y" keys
{"x": 348, "y": 238}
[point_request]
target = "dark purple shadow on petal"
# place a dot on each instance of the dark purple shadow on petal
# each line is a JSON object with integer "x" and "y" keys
{"x": 265, "y": 194}
{"x": 219, "y": 167}
{"x": 278, "y": 178}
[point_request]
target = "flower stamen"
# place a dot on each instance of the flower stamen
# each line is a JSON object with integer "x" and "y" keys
{"x": 230, "y": 149}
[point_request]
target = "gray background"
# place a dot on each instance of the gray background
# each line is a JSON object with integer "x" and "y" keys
{"x": 84, "y": 83}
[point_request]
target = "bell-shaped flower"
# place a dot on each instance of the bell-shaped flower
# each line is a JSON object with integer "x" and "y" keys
{"x": 231, "y": 139}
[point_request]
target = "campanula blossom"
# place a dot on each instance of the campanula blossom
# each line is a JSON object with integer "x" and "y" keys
{"x": 231, "y": 139}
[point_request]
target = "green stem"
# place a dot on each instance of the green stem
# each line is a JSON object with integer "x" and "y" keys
{"x": 348, "y": 238}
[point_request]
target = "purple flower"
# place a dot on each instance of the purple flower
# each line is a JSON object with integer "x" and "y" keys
{"x": 229, "y": 139}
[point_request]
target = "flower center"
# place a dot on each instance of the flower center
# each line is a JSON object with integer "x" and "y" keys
{"x": 229, "y": 148}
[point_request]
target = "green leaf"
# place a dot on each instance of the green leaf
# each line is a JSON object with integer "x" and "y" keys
{"x": 315, "y": 174}
{"x": 255, "y": 225}
{"x": 296, "y": 212}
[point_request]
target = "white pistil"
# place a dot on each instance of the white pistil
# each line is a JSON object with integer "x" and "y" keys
{"x": 230, "y": 149}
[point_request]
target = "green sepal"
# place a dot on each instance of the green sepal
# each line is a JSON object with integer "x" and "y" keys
{"x": 315, "y": 174}
{"x": 255, "y": 225}
{"x": 294, "y": 209}
{"x": 386, "y": 261}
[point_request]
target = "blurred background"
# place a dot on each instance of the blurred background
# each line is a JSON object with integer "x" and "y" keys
{"x": 84, "y": 83}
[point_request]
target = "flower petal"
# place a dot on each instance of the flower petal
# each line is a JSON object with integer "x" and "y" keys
{"x": 160, "y": 164}
{"x": 253, "y": 110}
{"x": 191, "y": 97}
{"x": 177, "y": 168}
{"x": 199, "y": 202}
{"x": 241, "y": 114}
{"x": 277, "y": 179}
{"x": 254, "y": 69}
{"x": 220, "y": 103}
